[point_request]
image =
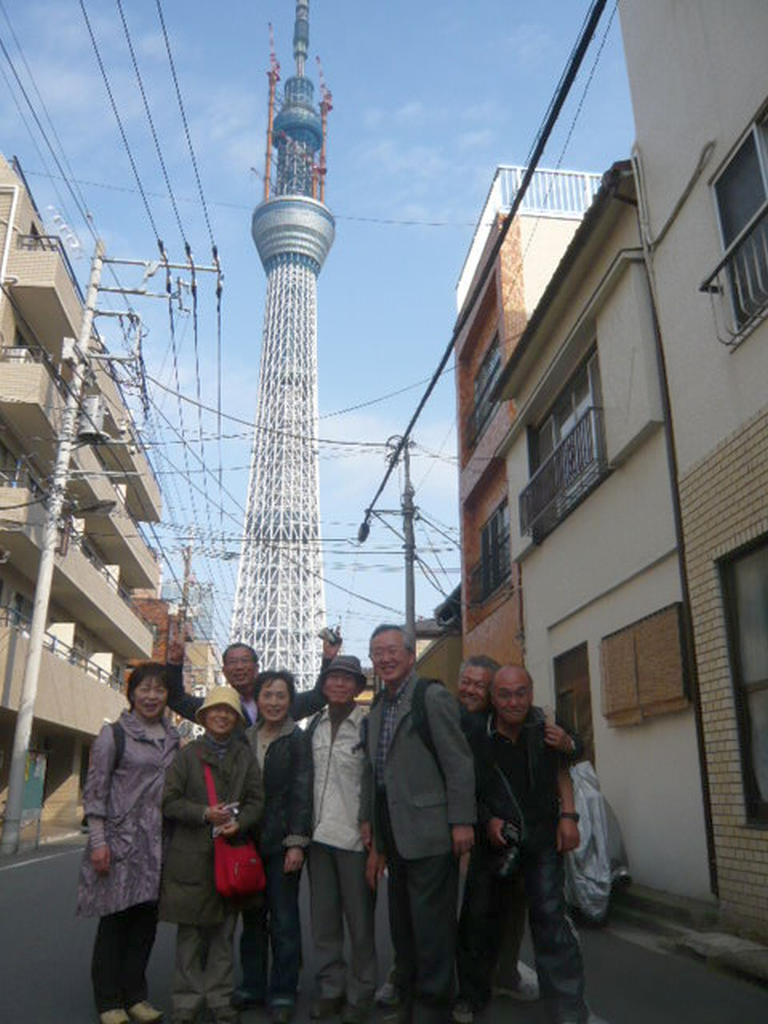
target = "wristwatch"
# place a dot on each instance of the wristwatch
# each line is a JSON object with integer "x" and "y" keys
{"x": 570, "y": 815}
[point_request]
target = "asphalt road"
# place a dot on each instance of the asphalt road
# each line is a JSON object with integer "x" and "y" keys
{"x": 45, "y": 957}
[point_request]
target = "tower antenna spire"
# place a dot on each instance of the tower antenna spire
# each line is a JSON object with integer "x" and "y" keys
{"x": 301, "y": 36}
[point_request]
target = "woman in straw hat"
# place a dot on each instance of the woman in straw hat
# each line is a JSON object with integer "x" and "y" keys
{"x": 204, "y": 971}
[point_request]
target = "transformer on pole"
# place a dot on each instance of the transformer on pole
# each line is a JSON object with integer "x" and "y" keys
{"x": 279, "y": 599}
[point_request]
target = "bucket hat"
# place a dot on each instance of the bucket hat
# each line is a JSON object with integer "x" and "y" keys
{"x": 348, "y": 664}
{"x": 220, "y": 695}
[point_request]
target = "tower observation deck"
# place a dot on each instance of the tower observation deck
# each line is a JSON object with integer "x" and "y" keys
{"x": 279, "y": 601}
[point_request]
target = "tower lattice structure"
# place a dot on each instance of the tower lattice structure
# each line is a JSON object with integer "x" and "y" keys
{"x": 279, "y": 599}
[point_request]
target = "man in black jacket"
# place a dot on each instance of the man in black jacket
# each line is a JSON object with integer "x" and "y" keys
{"x": 521, "y": 780}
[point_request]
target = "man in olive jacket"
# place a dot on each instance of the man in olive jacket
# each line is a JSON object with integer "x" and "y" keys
{"x": 417, "y": 809}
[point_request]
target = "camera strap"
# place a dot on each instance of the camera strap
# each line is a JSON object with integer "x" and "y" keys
{"x": 518, "y": 821}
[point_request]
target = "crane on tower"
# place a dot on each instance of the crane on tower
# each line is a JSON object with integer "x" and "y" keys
{"x": 274, "y": 77}
{"x": 326, "y": 106}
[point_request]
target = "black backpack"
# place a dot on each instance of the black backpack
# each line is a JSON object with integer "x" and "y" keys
{"x": 418, "y": 715}
{"x": 118, "y": 735}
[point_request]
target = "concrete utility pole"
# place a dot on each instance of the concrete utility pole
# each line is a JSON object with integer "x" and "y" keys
{"x": 409, "y": 546}
{"x": 67, "y": 437}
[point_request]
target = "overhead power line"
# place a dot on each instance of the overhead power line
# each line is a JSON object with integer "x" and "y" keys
{"x": 553, "y": 112}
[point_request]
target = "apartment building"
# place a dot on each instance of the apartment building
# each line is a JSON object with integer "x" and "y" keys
{"x": 592, "y": 523}
{"x": 700, "y": 98}
{"x": 102, "y": 555}
{"x": 496, "y": 309}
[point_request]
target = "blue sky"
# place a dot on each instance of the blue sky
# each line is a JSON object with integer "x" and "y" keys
{"x": 429, "y": 98}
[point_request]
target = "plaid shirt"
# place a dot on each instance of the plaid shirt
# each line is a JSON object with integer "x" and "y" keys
{"x": 388, "y": 718}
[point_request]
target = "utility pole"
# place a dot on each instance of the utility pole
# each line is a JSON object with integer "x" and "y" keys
{"x": 410, "y": 544}
{"x": 66, "y": 442}
{"x": 408, "y": 510}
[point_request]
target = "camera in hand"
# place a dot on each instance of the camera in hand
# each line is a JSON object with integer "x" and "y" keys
{"x": 510, "y": 857}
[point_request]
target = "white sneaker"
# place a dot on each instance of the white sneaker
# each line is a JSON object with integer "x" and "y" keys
{"x": 527, "y": 989}
{"x": 463, "y": 1012}
{"x": 387, "y": 995}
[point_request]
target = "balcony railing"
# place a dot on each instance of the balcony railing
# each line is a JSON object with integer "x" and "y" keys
{"x": 738, "y": 286}
{"x": 573, "y": 469}
{"x": 50, "y": 243}
{"x": 21, "y": 354}
{"x": 82, "y": 542}
{"x": 488, "y": 574}
{"x": 16, "y": 620}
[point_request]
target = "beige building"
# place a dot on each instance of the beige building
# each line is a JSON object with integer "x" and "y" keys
{"x": 102, "y": 555}
{"x": 700, "y": 97}
{"x": 593, "y": 527}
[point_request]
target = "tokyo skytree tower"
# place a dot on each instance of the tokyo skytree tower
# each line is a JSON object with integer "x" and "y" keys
{"x": 279, "y": 598}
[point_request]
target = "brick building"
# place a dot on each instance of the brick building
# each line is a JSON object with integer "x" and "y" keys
{"x": 497, "y": 312}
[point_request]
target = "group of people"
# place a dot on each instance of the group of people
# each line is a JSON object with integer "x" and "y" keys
{"x": 414, "y": 787}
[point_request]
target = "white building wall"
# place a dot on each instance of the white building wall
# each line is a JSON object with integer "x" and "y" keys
{"x": 613, "y": 560}
{"x": 703, "y": 63}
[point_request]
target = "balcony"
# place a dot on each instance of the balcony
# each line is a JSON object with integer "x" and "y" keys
{"x": 477, "y": 421}
{"x": 571, "y": 472}
{"x": 46, "y": 289}
{"x": 31, "y": 398}
{"x": 82, "y": 584}
{"x": 73, "y": 690}
{"x": 487, "y": 575}
{"x": 738, "y": 286}
{"x": 120, "y": 537}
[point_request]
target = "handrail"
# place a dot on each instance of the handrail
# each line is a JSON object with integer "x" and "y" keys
{"x": 738, "y": 285}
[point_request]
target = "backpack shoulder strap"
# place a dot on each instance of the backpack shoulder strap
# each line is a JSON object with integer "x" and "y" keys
{"x": 419, "y": 714}
{"x": 118, "y": 735}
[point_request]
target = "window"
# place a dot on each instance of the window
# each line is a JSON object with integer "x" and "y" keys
{"x": 643, "y": 669}
{"x": 565, "y": 453}
{"x": 745, "y": 586}
{"x": 741, "y": 198}
{"x": 495, "y": 565}
{"x": 485, "y": 381}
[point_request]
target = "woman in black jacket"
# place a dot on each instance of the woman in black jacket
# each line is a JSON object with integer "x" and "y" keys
{"x": 284, "y": 757}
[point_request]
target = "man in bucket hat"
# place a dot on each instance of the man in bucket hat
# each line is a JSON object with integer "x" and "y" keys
{"x": 337, "y": 857}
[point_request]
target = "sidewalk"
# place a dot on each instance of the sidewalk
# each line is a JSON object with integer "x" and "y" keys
{"x": 693, "y": 927}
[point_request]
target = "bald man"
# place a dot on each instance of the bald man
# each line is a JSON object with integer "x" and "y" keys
{"x": 520, "y": 774}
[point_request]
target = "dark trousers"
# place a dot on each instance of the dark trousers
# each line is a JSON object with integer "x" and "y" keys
{"x": 422, "y": 922}
{"x": 120, "y": 956}
{"x": 278, "y": 921}
{"x": 487, "y": 901}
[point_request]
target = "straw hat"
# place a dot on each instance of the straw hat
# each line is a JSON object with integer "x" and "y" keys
{"x": 220, "y": 695}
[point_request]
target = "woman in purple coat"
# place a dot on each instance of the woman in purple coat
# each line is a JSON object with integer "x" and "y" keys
{"x": 120, "y": 874}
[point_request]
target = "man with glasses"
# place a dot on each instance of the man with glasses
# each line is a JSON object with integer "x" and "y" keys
{"x": 417, "y": 813}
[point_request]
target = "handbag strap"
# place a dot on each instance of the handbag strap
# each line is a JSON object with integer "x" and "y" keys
{"x": 212, "y": 798}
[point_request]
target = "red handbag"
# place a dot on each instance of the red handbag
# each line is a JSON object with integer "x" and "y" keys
{"x": 238, "y": 870}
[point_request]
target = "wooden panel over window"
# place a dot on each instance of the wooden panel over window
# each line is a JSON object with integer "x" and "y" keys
{"x": 643, "y": 669}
